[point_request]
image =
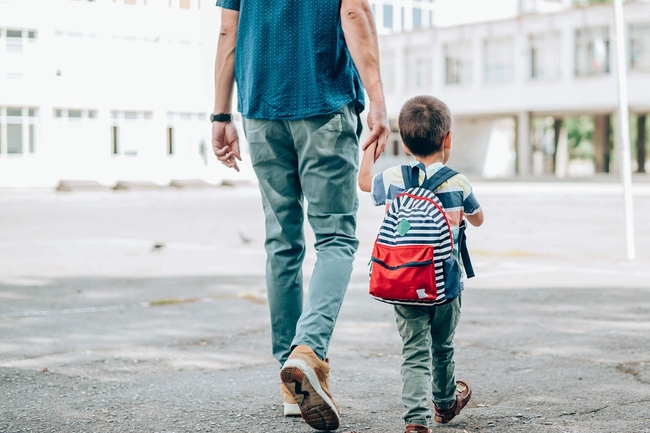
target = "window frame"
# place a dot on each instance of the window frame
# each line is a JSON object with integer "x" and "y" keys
{"x": 585, "y": 37}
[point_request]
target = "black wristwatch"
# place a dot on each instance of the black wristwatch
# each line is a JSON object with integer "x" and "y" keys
{"x": 221, "y": 117}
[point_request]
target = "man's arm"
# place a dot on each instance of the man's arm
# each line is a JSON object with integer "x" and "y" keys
{"x": 365, "y": 171}
{"x": 225, "y": 140}
{"x": 361, "y": 39}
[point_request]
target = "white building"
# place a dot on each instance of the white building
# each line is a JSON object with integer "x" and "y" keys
{"x": 499, "y": 76}
{"x": 394, "y": 16}
{"x": 110, "y": 90}
{"x": 105, "y": 90}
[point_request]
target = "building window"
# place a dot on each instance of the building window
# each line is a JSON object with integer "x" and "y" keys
{"x": 131, "y": 115}
{"x": 18, "y": 130}
{"x": 16, "y": 44}
{"x": 170, "y": 141}
{"x": 545, "y": 56}
{"x": 129, "y": 2}
{"x": 14, "y": 138}
{"x": 592, "y": 51}
{"x": 387, "y": 70}
{"x": 32, "y": 138}
{"x": 114, "y": 140}
{"x": 388, "y": 17}
{"x": 186, "y": 134}
{"x": 183, "y": 4}
{"x": 14, "y": 41}
{"x": 458, "y": 57}
{"x": 130, "y": 130}
{"x": 640, "y": 47}
{"x": 418, "y": 74}
{"x": 498, "y": 60}
{"x": 417, "y": 18}
{"x": 76, "y": 114}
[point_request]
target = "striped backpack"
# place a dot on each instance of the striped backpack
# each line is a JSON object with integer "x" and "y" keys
{"x": 412, "y": 260}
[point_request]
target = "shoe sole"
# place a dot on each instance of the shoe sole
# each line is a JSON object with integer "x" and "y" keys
{"x": 316, "y": 407}
{"x": 291, "y": 409}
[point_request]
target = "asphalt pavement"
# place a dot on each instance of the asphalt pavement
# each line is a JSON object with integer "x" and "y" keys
{"x": 145, "y": 311}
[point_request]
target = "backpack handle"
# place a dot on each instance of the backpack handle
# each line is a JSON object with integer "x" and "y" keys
{"x": 441, "y": 176}
{"x": 411, "y": 176}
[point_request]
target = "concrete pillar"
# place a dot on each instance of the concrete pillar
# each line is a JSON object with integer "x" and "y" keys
{"x": 562, "y": 153}
{"x": 641, "y": 142}
{"x": 602, "y": 142}
{"x": 557, "y": 129}
{"x": 524, "y": 151}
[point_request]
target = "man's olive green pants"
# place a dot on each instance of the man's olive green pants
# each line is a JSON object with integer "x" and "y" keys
{"x": 310, "y": 163}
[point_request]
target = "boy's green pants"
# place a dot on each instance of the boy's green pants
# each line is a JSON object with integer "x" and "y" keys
{"x": 315, "y": 159}
{"x": 428, "y": 350}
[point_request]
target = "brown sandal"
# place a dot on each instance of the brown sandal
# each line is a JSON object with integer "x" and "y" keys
{"x": 417, "y": 428}
{"x": 463, "y": 394}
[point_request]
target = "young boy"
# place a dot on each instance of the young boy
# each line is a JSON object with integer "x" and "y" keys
{"x": 427, "y": 331}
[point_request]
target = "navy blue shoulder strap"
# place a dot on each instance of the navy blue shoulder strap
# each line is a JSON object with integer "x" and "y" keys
{"x": 441, "y": 176}
{"x": 411, "y": 175}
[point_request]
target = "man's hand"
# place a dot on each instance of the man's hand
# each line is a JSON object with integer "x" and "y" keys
{"x": 361, "y": 39}
{"x": 225, "y": 143}
{"x": 379, "y": 129}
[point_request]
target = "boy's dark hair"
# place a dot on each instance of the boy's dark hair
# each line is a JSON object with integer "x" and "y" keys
{"x": 424, "y": 122}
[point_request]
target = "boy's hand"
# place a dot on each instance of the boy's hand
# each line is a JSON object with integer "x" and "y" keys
{"x": 476, "y": 220}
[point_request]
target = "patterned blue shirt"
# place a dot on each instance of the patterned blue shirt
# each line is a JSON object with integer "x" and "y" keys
{"x": 291, "y": 60}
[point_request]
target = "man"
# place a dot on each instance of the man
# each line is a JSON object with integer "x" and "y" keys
{"x": 299, "y": 65}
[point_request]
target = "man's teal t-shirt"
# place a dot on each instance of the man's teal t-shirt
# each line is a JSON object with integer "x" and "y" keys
{"x": 291, "y": 59}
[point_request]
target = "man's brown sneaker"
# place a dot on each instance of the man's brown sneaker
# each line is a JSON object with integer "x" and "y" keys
{"x": 417, "y": 428}
{"x": 463, "y": 394}
{"x": 307, "y": 379}
{"x": 290, "y": 406}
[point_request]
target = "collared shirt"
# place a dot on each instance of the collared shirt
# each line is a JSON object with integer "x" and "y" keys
{"x": 291, "y": 59}
{"x": 456, "y": 195}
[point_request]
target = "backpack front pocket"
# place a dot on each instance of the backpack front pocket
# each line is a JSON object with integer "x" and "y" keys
{"x": 403, "y": 273}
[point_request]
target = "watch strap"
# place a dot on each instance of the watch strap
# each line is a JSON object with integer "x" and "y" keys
{"x": 221, "y": 117}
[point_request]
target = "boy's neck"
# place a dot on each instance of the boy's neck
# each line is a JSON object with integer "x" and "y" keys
{"x": 431, "y": 159}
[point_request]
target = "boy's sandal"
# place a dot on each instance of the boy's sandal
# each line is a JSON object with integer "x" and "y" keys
{"x": 417, "y": 428}
{"x": 463, "y": 394}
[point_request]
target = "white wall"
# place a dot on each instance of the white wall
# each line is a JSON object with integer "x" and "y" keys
{"x": 110, "y": 57}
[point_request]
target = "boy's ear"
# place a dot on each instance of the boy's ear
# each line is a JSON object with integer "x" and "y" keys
{"x": 406, "y": 149}
{"x": 447, "y": 141}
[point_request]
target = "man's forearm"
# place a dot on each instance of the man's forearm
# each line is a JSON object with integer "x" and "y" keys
{"x": 224, "y": 74}
{"x": 361, "y": 39}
